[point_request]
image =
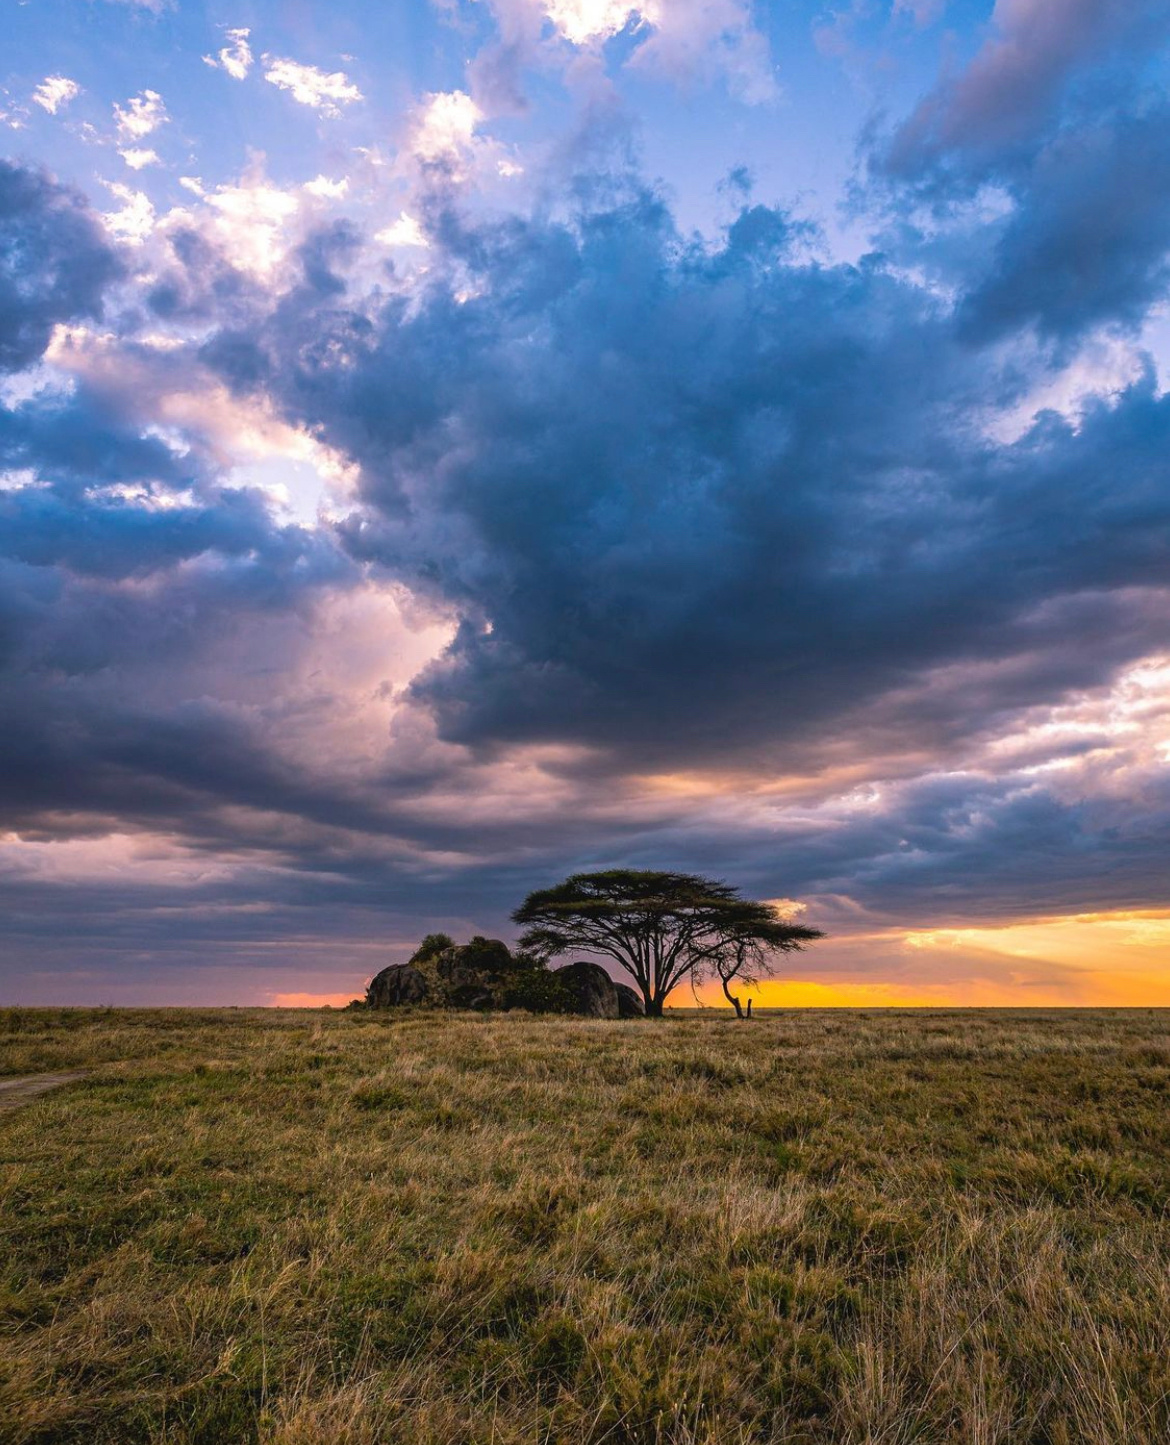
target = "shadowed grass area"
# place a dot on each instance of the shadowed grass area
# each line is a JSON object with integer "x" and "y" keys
{"x": 436, "y": 1229}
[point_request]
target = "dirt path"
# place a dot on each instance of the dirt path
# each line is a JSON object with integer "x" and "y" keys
{"x": 14, "y": 1092}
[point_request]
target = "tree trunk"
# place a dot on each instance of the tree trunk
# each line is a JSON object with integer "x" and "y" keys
{"x": 734, "y": 999}
{"x": 653, "y": 1008}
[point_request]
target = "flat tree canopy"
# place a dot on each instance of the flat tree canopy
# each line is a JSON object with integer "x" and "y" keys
{"x": 659, "y": 927}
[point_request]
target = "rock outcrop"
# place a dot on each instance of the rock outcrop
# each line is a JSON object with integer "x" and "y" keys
{"x": 485, "y": 974}
{"x": 484, "y": 957}
{"x": 475, "y": 974}
{"x": 630, "y": 1005}
{"x": 482, "y": 974}
{"x": 397, "y": 985}
{"x": 591, "y": 991}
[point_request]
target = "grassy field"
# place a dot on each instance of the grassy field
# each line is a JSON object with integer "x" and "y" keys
{"x": 833, "y": 1226}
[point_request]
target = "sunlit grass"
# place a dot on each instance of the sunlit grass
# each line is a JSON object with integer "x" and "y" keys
{"x": 315, "y": 1227}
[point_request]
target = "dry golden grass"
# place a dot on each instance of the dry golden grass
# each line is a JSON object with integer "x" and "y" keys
{"x": 860, "y": 1227}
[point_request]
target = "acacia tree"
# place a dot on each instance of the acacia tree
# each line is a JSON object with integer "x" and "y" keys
{"x": 658, "y": 927}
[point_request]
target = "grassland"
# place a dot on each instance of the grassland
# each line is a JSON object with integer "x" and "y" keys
{"x": 438, "y": 1230}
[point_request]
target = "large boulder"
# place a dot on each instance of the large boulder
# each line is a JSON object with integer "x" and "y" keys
{"x": 488, "y": 956}
{"x": 630, "y": 1005}
{"x": 590, "y": 990}
{"x": 395, "y": 986}
{"x": 474, "y": 973}
{"x": 482, "y": 959}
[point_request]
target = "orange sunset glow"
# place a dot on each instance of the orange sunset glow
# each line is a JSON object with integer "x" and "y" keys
{"x": 1116, "y": 960}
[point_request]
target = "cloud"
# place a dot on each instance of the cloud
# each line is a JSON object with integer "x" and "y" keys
{"x": 701, "y": 40}
{"x": 134, "y": 220}
{"x": 15, "y": 118}
{"x": 612, "y": 544}
{"x": 241, "y": 228}
{"x": 136, "y": 157}
{"x": 445, "y": 126}
{"x": 327, "y": 190}
{"x": 141, "y": 115}
{"x": 236, "y": 56}
{"x": 124, "y": 540}
{"x": 686, "y": 41}
{"x": 608, "y": 526}
{"x": 1030, "y": 183}
{"x": 54, "y": 92}
{"x": 251, "y": 221}
{"x": 118, "y": 545}
{"x": 58, "y": 262}
{"x": 405, "y": 231}
{"x": 1089, "y": 242}
{"x": 310, "y": 86}
{"x": 444, "y": 145}
{"x": 1009, "y": 92}
{"x": 583, "y": 21}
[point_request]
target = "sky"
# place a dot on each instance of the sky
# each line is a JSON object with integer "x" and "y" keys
{"x": 449, "y": 444}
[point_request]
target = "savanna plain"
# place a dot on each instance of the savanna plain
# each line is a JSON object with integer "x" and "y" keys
{"x": 286, "y": 1226}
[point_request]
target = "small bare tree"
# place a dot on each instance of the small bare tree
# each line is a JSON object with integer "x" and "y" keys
{"x": 743, "y": 960}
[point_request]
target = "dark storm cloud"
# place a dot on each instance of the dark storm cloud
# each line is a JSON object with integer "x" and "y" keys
{"x": 48, "y": 526}
{"x": 1088, "y": 243}
{"x": 75, "y": 439}
{"x": 198, "y": 284}
{"x": 704, "y": 506}
{"x": 1055, "y": 120}
{"x": 691, "y": 503}
{"x": 54, "y": 262}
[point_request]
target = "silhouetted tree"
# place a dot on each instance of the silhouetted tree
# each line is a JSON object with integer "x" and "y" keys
{"x": 747, "y": 959}
{"x": 658, "y": 927}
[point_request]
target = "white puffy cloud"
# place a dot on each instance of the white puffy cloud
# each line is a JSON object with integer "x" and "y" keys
{"x": 445, "y": 126}
{"x": 327, "y": 190}
{"x": 325, "y": 92}
{"x": 251, "y": 222}
{"x": 134, "y": 221}
{"x": 581, "y": 21}
{"x": 405, "y": 231}
{"x": 54, "y": 92}
{"x": 140, "y": 115}
{"x": 236, "y": 56}
{"x": 444, "y": 136}
{"x": 138, "y": 156}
